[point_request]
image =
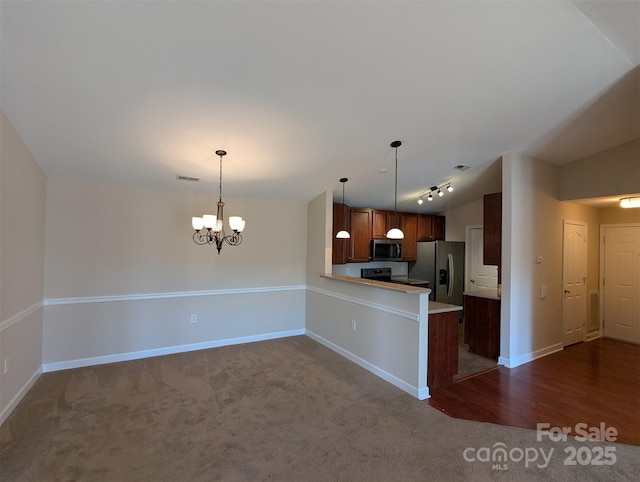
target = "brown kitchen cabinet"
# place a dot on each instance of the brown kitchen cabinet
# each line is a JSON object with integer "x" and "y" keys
{"x": 409, "y": 226}
{"x": 442, "y": 356}
{"x": 431, "y": 227}
{"x": 381, "y": 223}
{"x": 341, "y": 220}
{"x": 492, "y": 229}
{"x": 361, "y": 221}
{"x": 482, "y": 325}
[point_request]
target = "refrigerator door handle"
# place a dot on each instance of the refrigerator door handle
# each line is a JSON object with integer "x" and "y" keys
{"x": 451, "y": 275}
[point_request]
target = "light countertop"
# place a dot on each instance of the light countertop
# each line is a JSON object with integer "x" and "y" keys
{"x": 379, "y": 284}
{"x": 409, "y": 281}
{"x": 491, "y": 294}
{"x": 437, "y": 307}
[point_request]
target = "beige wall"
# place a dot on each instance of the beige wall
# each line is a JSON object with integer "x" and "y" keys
{"x": 123, "y": 275}
{"x": 471, "y": 214}
{"x": 619, "y": 215}
{"x": 22, "y": 222}
{"x": 607, "y": 173}
{"x": 105, "y": 240}
{"x": 532, "y": 226}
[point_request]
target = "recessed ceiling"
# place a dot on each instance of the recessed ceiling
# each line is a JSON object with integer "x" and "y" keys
{"x": 301, "y": 94}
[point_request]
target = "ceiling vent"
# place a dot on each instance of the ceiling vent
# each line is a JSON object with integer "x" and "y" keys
{"x": 462, "y": 167}
{"x": 187, "y": 178}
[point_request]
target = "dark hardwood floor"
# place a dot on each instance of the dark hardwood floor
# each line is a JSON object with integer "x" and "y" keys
{"x": 591, "y": 382}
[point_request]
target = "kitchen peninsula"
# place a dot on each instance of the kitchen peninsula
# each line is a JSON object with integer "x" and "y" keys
{"x": 442, "y": 330}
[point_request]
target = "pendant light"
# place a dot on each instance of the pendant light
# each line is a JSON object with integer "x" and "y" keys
{"x": 395, "y": 232}
{"x": 343, "y": 234}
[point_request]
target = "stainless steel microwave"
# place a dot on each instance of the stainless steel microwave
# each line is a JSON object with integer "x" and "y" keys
{"x": 386, "y": 250}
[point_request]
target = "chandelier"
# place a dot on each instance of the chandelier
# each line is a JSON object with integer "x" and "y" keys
{"x": 214, "y": 225}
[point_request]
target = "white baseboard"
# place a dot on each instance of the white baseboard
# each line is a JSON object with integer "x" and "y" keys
{"x": 19, "y": 396}
{"x": 420, "y": 394}
{"x": 169, "y": 350}
{"x": 527, "y": 357}
{"x": 593, "y": 336}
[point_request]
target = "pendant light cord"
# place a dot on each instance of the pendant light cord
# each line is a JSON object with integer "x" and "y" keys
{"x": 395, "y": 197}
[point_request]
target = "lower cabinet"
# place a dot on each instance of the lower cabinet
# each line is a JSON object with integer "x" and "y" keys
{"x": 482, "y": 326}
{"x": 442, "y": 349}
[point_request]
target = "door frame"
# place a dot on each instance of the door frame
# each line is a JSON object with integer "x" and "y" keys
{"x": 585, "y": 261}
{"x": 467, "y": 253}
{"x": 601, "y": 286}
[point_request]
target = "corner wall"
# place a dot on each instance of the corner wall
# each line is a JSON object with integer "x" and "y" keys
{"x": 22, "y": 224}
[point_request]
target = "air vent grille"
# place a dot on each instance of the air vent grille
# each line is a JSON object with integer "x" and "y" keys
{"x": 188, "y": 178}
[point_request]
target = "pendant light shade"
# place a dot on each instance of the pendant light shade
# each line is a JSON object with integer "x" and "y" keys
{"x": 343, "y": 233}
{"x": 395, "y": 232}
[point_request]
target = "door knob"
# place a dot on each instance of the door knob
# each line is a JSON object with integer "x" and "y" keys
{"x": 473, "y": 281}
{"x": 567, "y": 291}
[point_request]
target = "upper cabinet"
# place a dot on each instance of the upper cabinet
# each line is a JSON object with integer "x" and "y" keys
{"x": 381, "y": 223}
{"x": 409, "y": 226}
{"x": 365, "y": 224}
{"x": 341, "y": 220}
{"x": 492, "y": 229}
{"x": 430, "y": 227}
{"x": 361, "y": 223}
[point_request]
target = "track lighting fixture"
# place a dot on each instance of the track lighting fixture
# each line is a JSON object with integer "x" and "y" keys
{"x": 435, "y": 189}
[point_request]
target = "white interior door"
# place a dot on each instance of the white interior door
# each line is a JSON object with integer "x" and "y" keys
{"x": 479, "y": 276}
{"x": 574, "y": 282}
{"x": 621, "y": 282}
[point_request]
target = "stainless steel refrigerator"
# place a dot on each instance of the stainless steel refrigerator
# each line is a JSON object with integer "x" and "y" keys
{"x": 441, "y": 263}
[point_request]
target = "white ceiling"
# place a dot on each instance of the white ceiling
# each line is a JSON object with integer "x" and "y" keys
{"x": 301, "y": 94}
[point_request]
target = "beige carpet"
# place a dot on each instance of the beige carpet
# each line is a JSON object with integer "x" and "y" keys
{"x": 283, "y": 410}
{"x": 471, "y": 364}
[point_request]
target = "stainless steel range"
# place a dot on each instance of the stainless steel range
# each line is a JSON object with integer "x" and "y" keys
{"x": 384, "y": 274}
{"x": 378, "y": 274}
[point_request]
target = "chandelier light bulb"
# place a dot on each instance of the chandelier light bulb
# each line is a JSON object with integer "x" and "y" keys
{"x": 429, "y": 197}
{"x": 420, "y": 201}
{"x": 449, "y": 188}
{"x": 440, "y": 193}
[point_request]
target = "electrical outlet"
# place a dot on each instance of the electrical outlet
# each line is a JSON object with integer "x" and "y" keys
{"x": 5, "y": 366}
{"x": 353, "y": 325}
{"x": 194, "y": 318}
